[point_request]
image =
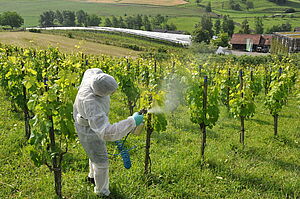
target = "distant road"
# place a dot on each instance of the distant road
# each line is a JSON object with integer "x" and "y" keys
{"x": 175, "y": 38}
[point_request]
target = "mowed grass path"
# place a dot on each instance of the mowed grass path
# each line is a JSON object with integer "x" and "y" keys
{"x": 268, "y": 167}
{"x": 68, "y": 45}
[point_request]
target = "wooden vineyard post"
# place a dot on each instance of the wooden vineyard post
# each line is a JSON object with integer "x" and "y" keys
{"x": 228, "y": 90}
{"x": 149, "y": 130}
{"x": 275, "y": 116}
{"x": 267, "y": 80}
{"x": 202, "y": 125}
{"x": 26, "y": 110}
{"x": 26, "y": 114}
{"x": 242, "y": 134}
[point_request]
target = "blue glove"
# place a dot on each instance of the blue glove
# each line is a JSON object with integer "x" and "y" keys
{"x": 138, "y": 118}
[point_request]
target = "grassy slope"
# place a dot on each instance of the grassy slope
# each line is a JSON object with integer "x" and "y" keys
{"x": 267, "y": 167}
{"x": 43, "y": 41}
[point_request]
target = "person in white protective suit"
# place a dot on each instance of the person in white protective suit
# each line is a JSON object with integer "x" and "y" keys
{"x": 90, "y": 112}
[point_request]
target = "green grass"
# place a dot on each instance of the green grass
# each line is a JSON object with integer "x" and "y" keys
{"x": 185, "y": 23}
{"x": 31, "y": 10}
{"x": 268, "y": 166}
{"x": 262, "y": 8}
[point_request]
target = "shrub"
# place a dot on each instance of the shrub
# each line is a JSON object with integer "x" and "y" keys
{"x": 290, "y": 10}
{"x": 35, "y": 30}
{"x": 70, "y": 35}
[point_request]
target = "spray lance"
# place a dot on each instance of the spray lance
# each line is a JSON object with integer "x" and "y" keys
{"x": 123, "y": 151}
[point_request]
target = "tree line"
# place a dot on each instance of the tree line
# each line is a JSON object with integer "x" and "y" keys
{"x": 140, "y": 22}
{"x": 68, "y": 18}
{"x": 82, "y": 18}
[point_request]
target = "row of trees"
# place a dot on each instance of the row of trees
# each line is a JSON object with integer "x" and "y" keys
{"x": 140, "y": 22}
{"x": 68, "y": 18}
{"x": 205, "y": 29}
{"x": 82, "y": 18}
{"x": 12, "y": 19}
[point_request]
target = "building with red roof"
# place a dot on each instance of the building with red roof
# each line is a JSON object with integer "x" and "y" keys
{"x": 251, "y": 42}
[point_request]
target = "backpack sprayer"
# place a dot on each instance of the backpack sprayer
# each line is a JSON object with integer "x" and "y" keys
{"x": 124, "y": 152}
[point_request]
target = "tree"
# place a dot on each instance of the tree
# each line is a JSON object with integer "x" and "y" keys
{"x": 121, "y": 23}
{"x": 217, "y": 26}
{"x": 249, "y": 5}
{"x": 82, "y": 17}
{"x": 115, "y": 22}
{"x": 69, "y": 18}
{"x": 234, "y": 6}
{"x": 138, "y": 22}
{"x": 245, "y": 29}
{"x": 203, "y": 30}
{"x": 199, "y": 35}
{"x": 208, "y": 7}
{"x": 12, "y": 19}
{"x": 93, "y": 20}
{"x": 107, "y": 22}
{"x": 157, "y": 21}
{"x": 259, "y": 27}
{"x": 228, "y": 25}
{"x": 146, "y": 23}
{"x": 130, "y": 22}
{"x": 47, "y": 19}
{"x": 221, "y": 40}
{"x": 169, "y": 27}
{"x": 59, "y": 17}
{"x": 206, "y": 24}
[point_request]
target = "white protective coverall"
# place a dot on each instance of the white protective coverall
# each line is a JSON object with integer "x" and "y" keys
{"x": 90, "y": 112}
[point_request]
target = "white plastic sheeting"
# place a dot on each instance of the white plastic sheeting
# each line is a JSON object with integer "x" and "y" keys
{"x": 174, "y": 38}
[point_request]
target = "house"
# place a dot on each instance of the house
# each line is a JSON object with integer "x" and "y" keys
{"x": 251, "y": 42}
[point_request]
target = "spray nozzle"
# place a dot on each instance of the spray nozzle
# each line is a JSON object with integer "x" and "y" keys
{"x": 143, "y": 111}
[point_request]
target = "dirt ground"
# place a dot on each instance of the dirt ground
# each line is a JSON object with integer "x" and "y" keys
{"x": 239, "y": 53}
{"x": 150, "y": 2}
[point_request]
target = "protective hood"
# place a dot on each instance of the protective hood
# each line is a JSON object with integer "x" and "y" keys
{"x": 103, "y": 84}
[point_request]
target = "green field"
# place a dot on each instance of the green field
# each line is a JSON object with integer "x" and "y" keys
{"x": 30, "y": 10}
{"x": 183, "y": 16}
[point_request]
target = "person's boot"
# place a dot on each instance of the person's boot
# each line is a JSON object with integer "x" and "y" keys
{"x": 91, "y": 180}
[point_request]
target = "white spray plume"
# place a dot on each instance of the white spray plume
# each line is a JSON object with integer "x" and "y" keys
{"x": 174, "y": 88}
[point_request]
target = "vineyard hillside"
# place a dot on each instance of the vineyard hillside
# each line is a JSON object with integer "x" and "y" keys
{"x": 220, "y": 127}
